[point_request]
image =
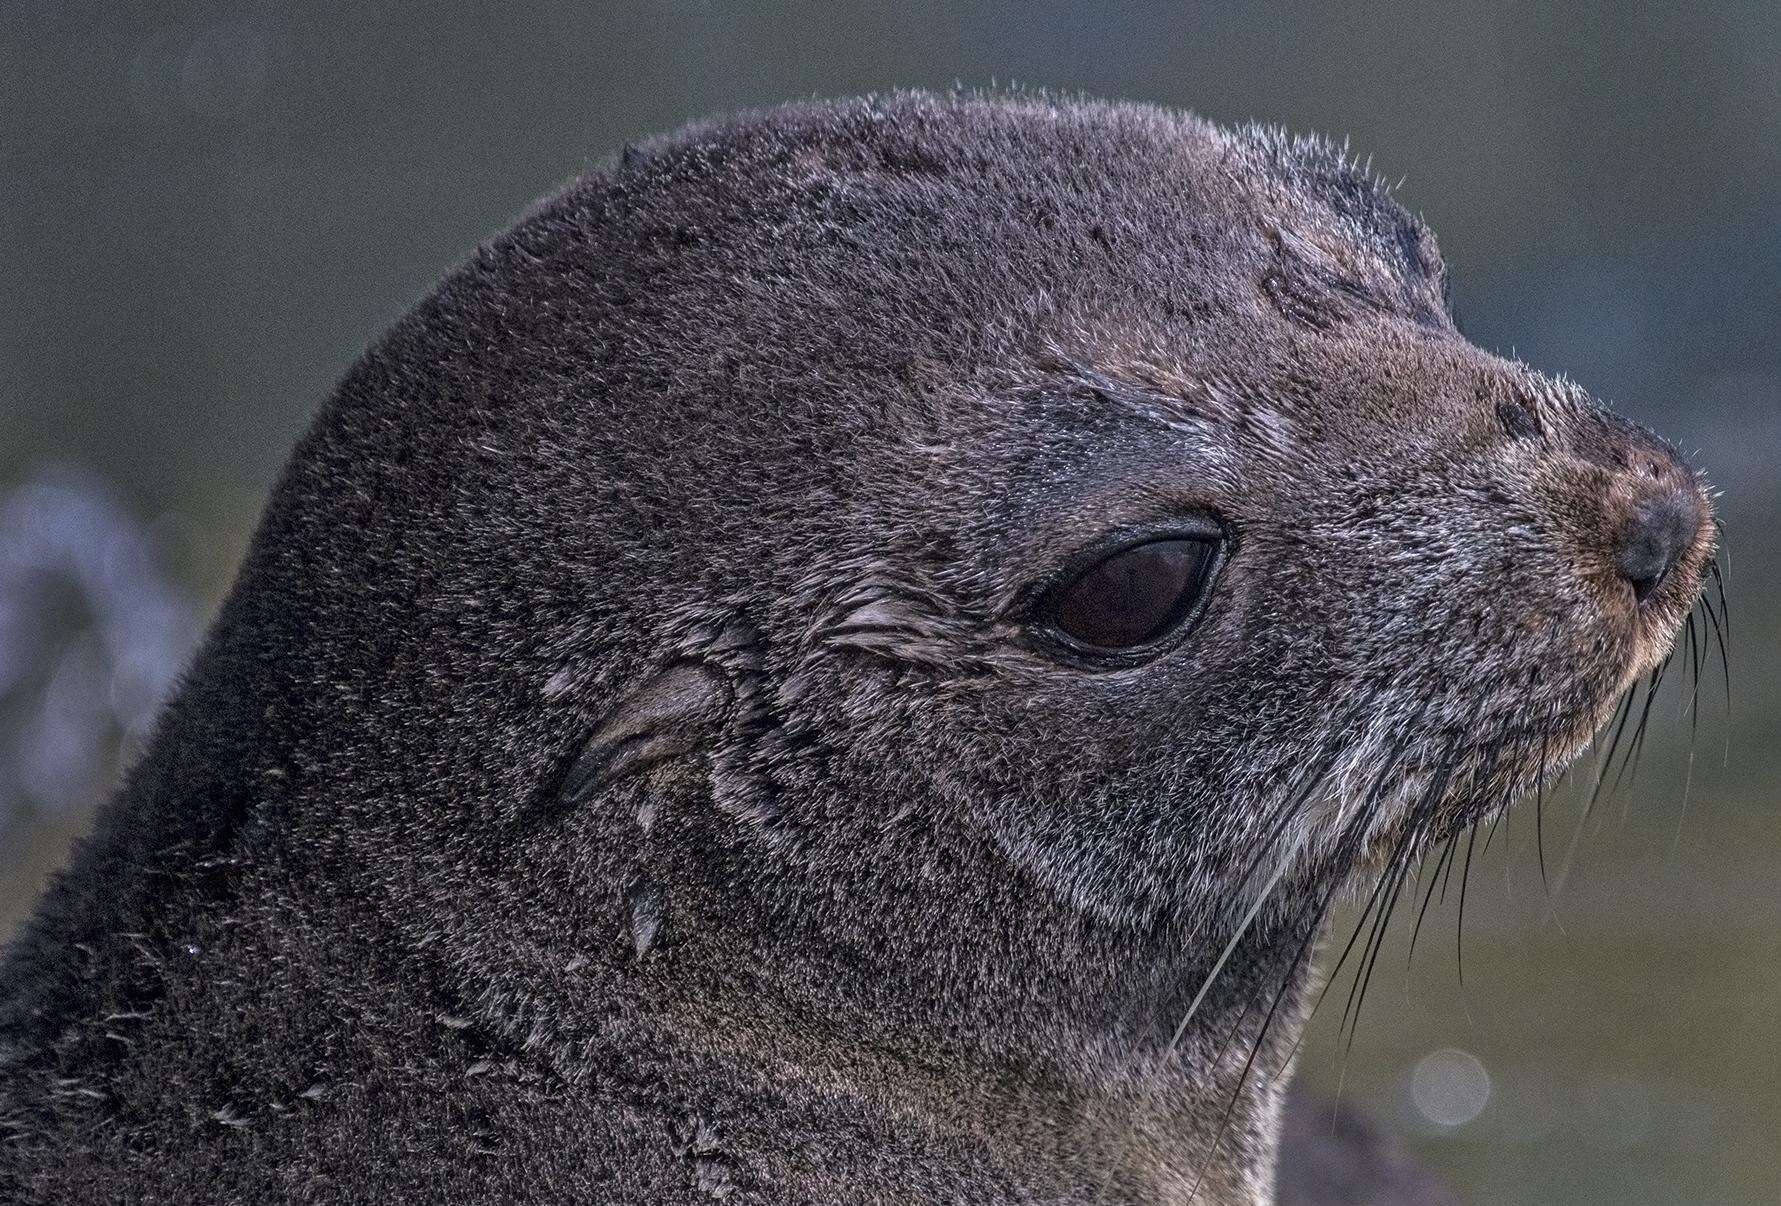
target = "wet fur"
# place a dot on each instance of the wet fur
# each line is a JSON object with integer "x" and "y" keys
{"x": 626, "y": 768}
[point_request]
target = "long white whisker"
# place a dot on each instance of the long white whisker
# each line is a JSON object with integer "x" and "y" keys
{"x": 1261, "y": 899}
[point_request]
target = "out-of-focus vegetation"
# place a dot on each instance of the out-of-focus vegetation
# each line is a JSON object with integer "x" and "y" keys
{"x": 207, "y": 209}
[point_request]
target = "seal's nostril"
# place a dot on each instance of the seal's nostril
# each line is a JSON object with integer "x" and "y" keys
{"x": 1656, "y": 537}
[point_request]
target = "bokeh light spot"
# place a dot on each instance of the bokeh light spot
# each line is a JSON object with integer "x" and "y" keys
{"x": 1450, "y": 1087}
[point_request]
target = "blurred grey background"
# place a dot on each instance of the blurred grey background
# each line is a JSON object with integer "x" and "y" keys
{"x": 206, "y": 210}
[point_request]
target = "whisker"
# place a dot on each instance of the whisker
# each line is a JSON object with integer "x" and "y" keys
{"x": 1392, "y": 882}
{"x": 1496, "y": 816}
{"x": 1307, "y": 784}
{"x": 1446, "y": 878}
{"x": 1540, "y": 808}
{"x": 1722, "y": 623}
{"x": 1447, "y": 846}
{"x": 1623, "y": 713}
{"x": 1230, "y": 1109}
{"x": 1694, "y": 728}
{"x": 1400, "y": 864}
{"x": 1313, "y": 777}
{"x": 1631, "y": 758}
{"x": 1719, "y": 583}
{"x": 1373, "y": 797}
{"x": 1225, "y": 955}
{"x": 1570, "y": 861}
{"x": 1459, "y": 929}
{"x": 1349, "y": 847}
{"x": 1348, "y": 948}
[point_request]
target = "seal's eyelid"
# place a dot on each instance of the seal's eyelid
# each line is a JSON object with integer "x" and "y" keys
{"x": 1127, "y": 601}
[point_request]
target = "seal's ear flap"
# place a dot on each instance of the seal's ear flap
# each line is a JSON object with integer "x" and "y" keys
{"x": 664, "y": 717}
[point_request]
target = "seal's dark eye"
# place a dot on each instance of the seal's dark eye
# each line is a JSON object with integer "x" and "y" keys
{"x": 1135, "y": 595}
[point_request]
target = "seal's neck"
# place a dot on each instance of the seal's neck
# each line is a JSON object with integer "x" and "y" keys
{"x": 912, "y": 956}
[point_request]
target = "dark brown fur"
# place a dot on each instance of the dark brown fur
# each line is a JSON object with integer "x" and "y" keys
{"x": 628, "y": 770}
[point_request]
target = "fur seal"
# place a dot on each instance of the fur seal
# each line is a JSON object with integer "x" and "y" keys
{"x": 841, "y": 660}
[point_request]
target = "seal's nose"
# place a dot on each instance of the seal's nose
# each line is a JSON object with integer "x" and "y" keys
{"x": 1660, "y": 530}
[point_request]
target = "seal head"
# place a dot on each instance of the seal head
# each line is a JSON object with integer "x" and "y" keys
{"x": 797, "y": 668}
